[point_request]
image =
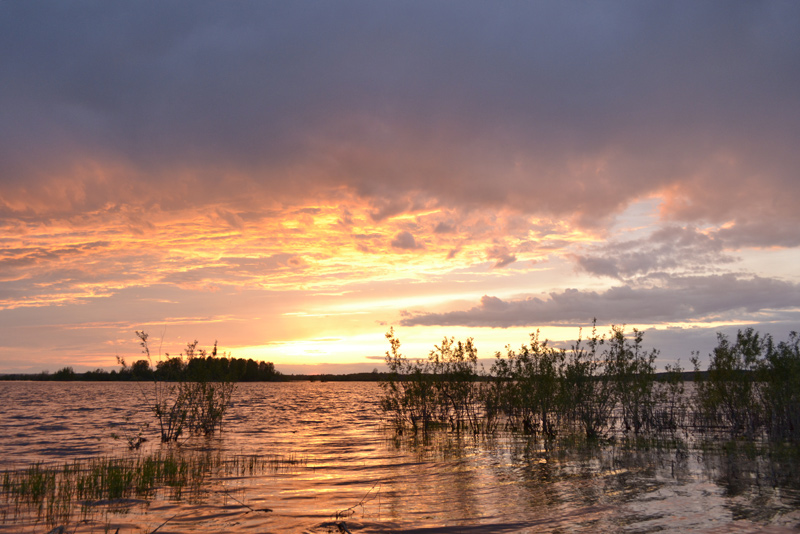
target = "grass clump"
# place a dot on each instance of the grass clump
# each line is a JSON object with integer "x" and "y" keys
{"x": 53, "y": 493}
{"x": 50, "y": 493}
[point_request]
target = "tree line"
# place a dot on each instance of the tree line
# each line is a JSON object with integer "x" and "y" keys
{"x": 195, "y": 364}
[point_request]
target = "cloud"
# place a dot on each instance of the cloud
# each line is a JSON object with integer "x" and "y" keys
{"x": 444, "y": 228}
{"x": 667, "y": 249}
{"x": 236, "y": 271}
{"x": 533, "y": 107}
{"x": 760, "y": 234}
{"x": 501, "y": 256}
{"x": 267, "y": 147}
{"x": 346, "y": 219}
{"x": 678, "y": 299}
{"x": 405, "y": 241}
{"x": 230, "y": 218}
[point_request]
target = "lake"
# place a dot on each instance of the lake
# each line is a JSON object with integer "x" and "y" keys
{"x": 343, "y": 461}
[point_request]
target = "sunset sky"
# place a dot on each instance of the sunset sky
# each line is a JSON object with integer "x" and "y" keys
{"x": 293, "y": 178}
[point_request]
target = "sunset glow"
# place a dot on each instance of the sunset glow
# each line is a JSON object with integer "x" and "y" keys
{"x": 292, "y": 181}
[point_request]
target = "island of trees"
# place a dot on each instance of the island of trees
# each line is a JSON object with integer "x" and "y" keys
{"x": 194, "y": 363}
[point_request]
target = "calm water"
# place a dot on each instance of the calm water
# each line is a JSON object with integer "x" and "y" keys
{"x": 503, "y": 485}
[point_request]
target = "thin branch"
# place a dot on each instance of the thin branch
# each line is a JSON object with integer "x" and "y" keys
{"x": 227, "y": 493}
{"x": 164, "y": 523}
{"x": 349, "y": 511}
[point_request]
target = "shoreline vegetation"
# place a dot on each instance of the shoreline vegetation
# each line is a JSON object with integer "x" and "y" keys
{"x": 209, "y": 365}
{"x": 602, "y": 387}
{"x": 601, "y": 392}
{"x": 380, "y": 376}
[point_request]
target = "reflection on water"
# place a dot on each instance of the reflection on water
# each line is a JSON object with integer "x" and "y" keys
{"x": 355, "y": 472}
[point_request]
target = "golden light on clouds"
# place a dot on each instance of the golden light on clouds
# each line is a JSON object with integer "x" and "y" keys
{"x": 296, "y": 192}
{"x": 307, "y": 247}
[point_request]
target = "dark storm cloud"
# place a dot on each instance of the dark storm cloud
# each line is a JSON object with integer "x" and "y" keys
{"x": 678, "y": 299}
{"x": 560, "y": 108}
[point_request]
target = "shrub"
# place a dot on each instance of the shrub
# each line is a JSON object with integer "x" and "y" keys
{"x": 454, "y": 369}
{"x": 779, "y": 375}
{"x": 185, "y": 395}
{"x": 587, "y": 394}
{"x": 631, "y": 373}
{"x": 531, "y": 383}
{"x": 408, "y": 397}
{"x": 727, "y": 397}
{"x": 751, "y": 388}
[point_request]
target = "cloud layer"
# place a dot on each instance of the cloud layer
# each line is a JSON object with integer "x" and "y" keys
{"x": 688, "y": 299}
{"x": 388, "y": 156}
{"x": 545, "y": 108}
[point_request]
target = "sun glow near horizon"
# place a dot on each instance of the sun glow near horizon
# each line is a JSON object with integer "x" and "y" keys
{"x": 296, "y": 192}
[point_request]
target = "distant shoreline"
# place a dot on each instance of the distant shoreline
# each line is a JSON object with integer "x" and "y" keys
{"x": 92, "y": 376}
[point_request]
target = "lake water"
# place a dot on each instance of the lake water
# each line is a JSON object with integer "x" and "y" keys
{"x": 506, "y": 484}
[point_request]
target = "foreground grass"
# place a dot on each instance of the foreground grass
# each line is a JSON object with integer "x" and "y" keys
{"x": 57, "y": 493}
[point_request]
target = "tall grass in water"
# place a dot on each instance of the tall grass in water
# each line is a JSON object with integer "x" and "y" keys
{"x": 51, "y": 492}
{"x": 599, "y": 386}
{"x": 55, "y": 493}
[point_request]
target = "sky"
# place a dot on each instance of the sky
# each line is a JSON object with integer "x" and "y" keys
{"x": 292, "y": 179}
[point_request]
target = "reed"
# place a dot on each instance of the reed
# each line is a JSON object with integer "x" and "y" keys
{"x": 54, "y": 493}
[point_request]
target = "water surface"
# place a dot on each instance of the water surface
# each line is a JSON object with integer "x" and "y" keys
{"x": 353, "y": 470}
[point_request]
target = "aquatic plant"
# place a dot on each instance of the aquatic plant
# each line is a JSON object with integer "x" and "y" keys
{"x": 601, "y": 386}
{"x": 779, "y": 376}
{"x": 726, "y": 397}
{"x": 752, "y": 386}
{"x": 530, "y": 384}
{"x": 587, "y": 395}
{"x": 185, "y": 395}
{"x": 547, "y": 390}
{"x": 670, "y": 411}
{"x": 408, "y": 396}
{"x": 631, "y": 372}
{"x": 55, "y": 493}
{"x": 453, "y": 367}
{"x": 441, "y": 391}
